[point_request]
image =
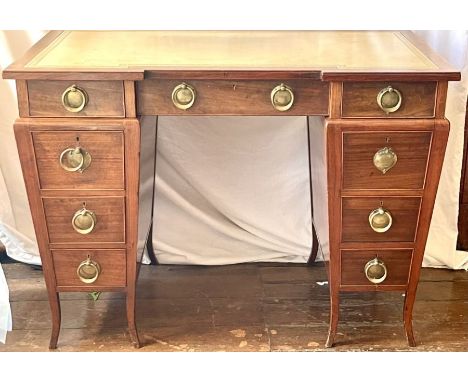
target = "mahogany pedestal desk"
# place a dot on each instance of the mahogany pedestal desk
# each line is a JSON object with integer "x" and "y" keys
{"x": 376, "y": 102}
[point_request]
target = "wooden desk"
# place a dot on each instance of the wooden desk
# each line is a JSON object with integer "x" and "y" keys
{"x": 378, "y": 144}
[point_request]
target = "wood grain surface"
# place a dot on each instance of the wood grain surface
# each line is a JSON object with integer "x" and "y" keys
{"x": 356, "y": 228}
{"x": 31, "y": 180}
{"x": 243, "y": 307}
{"x": 359, "y": 148}
{"x": 360, "y": 99}
{"x": 111, "y": 262}
{"x": 105, "y": 98}
{"x": 397, "y": 262}
{"x": 462, "y": 240}
{"x": 110, "y": 215}
{"x": 106, "y": 170}
{"x": 154, "y": 97}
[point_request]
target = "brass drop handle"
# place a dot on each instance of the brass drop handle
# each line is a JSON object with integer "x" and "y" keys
{"x": 84, "y": 221}
{"x": 380, "y": 220}
{"x": 385, "y": 159}
{"x": 88, "y": 271}
{"x": 74, "y": 99}
{"x": 389, "y": 99}
{"x": 375, "y": 271}
{"x": 282, "y": 97}
{"x": 75, "y": 159}
{"x": 183, "y": 96}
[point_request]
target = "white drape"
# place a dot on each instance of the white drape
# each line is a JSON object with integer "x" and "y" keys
{"x": 5, "y": 311}
{"x": 16, "y": 229}
{"x": 231, "y": 189}
{"x": 441, "y": 244}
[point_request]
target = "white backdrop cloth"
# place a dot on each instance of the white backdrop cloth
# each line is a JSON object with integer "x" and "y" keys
{"x": 232, "y": 189}
{"x": 5, "y": 311}
{"x": 16, "y": 229}
{"x": 441, "y": 243}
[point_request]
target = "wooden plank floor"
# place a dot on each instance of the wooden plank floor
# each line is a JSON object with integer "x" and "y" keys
{"x": 245, "y": 307}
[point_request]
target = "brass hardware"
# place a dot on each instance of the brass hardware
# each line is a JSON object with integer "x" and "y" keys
{"x": 75, "y": 159}
{"x": 88, "y": 271}
{"x": 74, "y": 99}
{"x": 282, "y": 97}
{"x": 380, "y": 220}
{"x": 84, "y": 221}
{"x": 385, "y": 159}
{"x": 94, "y": 295}
{"x": 389, "y": 99}
{"x": 375, "y": 271}
{"x": 183, "y": 96}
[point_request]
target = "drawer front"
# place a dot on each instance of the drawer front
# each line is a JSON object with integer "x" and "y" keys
{"x": 367, "y": 158}
{"x": 109, "y": 215}
{"x": 103, "y": 170}
{"x": 404, "y": 213}
{"x": 104, "y": 98}
{"x": 112, "y": 267}
{"x": 232, "y": 97}
{"x": 417, "y": 99}
{"x": 397, "y": 264}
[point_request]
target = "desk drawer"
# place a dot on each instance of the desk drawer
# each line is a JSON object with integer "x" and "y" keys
{"x": 368, "y": 157}
{"x": 399, "y": 214}
{"x": 111, "y": 265}
{"x": 102, "y": 99}
{"x": 220, "y": 97}
{"x": 100, "y": 154}
{"x": 101, "y": 221}
{"x": 393, "y": 267}
{"x": 417, "y": 99}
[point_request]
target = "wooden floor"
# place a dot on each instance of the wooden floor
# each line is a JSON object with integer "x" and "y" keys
{"x": 246, "y": 307}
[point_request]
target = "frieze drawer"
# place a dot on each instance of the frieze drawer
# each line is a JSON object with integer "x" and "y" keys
{"x": 76, "y": 98}
{"x": 221, "y": 97}
{"x": 389, "y": 99}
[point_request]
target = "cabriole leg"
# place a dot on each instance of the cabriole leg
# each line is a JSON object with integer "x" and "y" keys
{"x": 334, "y": 316}
{"x": 408, "y": 318}
{"x": 54, "y": 302}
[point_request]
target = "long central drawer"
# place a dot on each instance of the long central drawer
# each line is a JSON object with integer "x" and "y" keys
{"x": 222, "y": 97}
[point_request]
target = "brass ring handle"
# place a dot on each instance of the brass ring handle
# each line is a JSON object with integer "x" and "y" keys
{"x": 375, "y": 271}
{"x": 75, "y": 159}
{"x": 183, "y": 96}
{"x": 389, "y": 99}
{"x": 88, "y": 271}
{"x": 380, "y": 220}
{"x": 84, "y": 221}
{"x": 282, "y": 97}
{"x": 385, "y": 159}
{"x": 74, "y": 99}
